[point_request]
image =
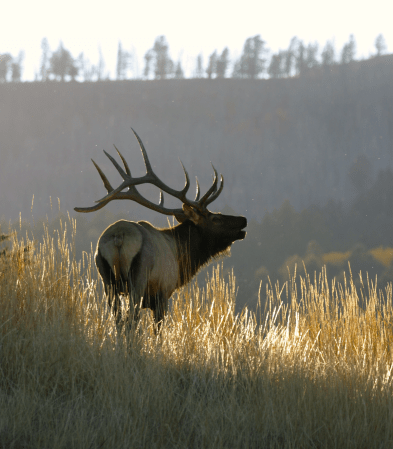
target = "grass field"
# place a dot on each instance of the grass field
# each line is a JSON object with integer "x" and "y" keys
{"x": 312, "y": 368}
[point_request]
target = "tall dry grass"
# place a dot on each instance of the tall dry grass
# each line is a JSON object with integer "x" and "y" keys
{"x": 312, "y": 369}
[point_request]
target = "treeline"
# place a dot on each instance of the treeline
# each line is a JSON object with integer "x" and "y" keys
{"x": 254, "y": 62}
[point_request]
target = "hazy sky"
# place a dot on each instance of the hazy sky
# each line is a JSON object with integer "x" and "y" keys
{"x": 190, "y": 27}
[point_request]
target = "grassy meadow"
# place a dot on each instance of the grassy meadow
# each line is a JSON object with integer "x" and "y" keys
{"x": 312, "y": 368}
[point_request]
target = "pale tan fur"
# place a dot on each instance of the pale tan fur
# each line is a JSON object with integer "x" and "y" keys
{"x": 119, "y": 244}
{"x": 164, "y": 275}
{"x": 123, "y": 240}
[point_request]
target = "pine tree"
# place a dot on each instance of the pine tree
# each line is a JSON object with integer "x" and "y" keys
{"x": 222, "y": 63}
{"x": 348, "y": 51}
{"x": 163, "y": 63}
{"x": 100, "y": 66}
{"x": 198, "y": 73}
{"x": 212, "y": 65}
{"x": 16, "y": 67}
{"x": 311, "y": 55}
{"x": 275, "y": 67}
{"x": 119, "y": 65}
{"x": 148, "y": 57}
{"x": 89, "y": 70}
{"x": 73, "y": 71}
{"x": 5, "y": 61}
{"x": 81, "y": 65}
{"x": 300, "y": 58}
{"x": 327, "y": 54}
{"x": 380, "y": 45}
{"x": 62, "y": 64}
{"x": 179, "y": 74}
{"x": 289, "y": 56}
{"x": 251, "y": 63}
{"x": 44, "y": 59}
{"x": 124, "y": 62}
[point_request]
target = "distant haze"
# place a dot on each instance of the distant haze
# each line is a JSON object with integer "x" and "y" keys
{"x": 85, "y": 26}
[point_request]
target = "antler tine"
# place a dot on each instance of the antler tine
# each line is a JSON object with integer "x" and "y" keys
{"x": 128, "y": 171}
{"x": 161, "y": 203}
{"x": 187, "y": 185}
{"x": 108, "y": 187}
{"x": 119, "y": 169}
{"x": 155, "y": 180}
{"x": 198, "y": 190}
{"x": 144, "y": 153}
{"x": 212, "y": 189}
{"x": 92, "y": 208}
{"x": 215, "y": 194}
{"x": 107, "y": 184}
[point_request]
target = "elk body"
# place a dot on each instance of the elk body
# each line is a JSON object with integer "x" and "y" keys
{"x": 147, "y": 263}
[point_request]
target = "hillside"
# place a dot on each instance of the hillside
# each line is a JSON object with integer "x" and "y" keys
{"x": 273, "y": 140}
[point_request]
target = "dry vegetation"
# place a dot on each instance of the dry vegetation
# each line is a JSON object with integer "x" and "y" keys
{"x": 313, "y": 369}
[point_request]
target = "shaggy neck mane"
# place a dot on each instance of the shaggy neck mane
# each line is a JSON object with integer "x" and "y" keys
{"x": 195, "y": 248}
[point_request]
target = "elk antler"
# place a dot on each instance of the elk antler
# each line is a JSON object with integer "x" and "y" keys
{"x": 151, "y": 178}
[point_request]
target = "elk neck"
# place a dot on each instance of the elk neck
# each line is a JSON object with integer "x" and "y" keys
{"x": 195, "y": 248}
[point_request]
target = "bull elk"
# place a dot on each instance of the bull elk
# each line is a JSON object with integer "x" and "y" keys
{"x": 148, "y": 264}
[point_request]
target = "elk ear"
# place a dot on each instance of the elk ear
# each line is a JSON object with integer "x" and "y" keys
{"x": 191, "y": 214}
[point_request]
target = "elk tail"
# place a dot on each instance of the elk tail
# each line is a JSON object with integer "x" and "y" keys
{"x": 118, "y": 241}
{"x": 116, "y": 266}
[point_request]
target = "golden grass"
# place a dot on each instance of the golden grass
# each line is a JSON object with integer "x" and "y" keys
{"x": 313, "y": 369}
{"x": 336, "y": 258}
{"x": 383, "y": 255}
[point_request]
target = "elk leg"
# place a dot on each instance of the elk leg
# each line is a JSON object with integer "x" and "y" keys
{"x": 114, "y": 301}
{"x": 117, "y": 308}
{"x": 108, "y": 278}
{"x": 159, "y": 305}
{"x": 134, "y": 299}
{"x": 116, "y": 304}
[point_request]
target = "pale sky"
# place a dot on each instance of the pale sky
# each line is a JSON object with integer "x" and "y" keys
{"x": 190, "y": 27}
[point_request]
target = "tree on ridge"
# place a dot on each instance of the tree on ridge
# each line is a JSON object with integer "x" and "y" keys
{"x": 251, "y": 63}
{"x": 61, "y": 64}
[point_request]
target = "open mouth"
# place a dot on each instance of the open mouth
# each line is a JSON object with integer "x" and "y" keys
{"x": 242, "y": 234}
{"x": 241, "y": 225}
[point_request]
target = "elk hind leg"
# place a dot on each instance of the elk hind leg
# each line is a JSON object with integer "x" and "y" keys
{"x": 159, "y": 306}
{"x": 110, "y": 284}
{"x": 134, "y": 298}
{"x": 114, "y": 301}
